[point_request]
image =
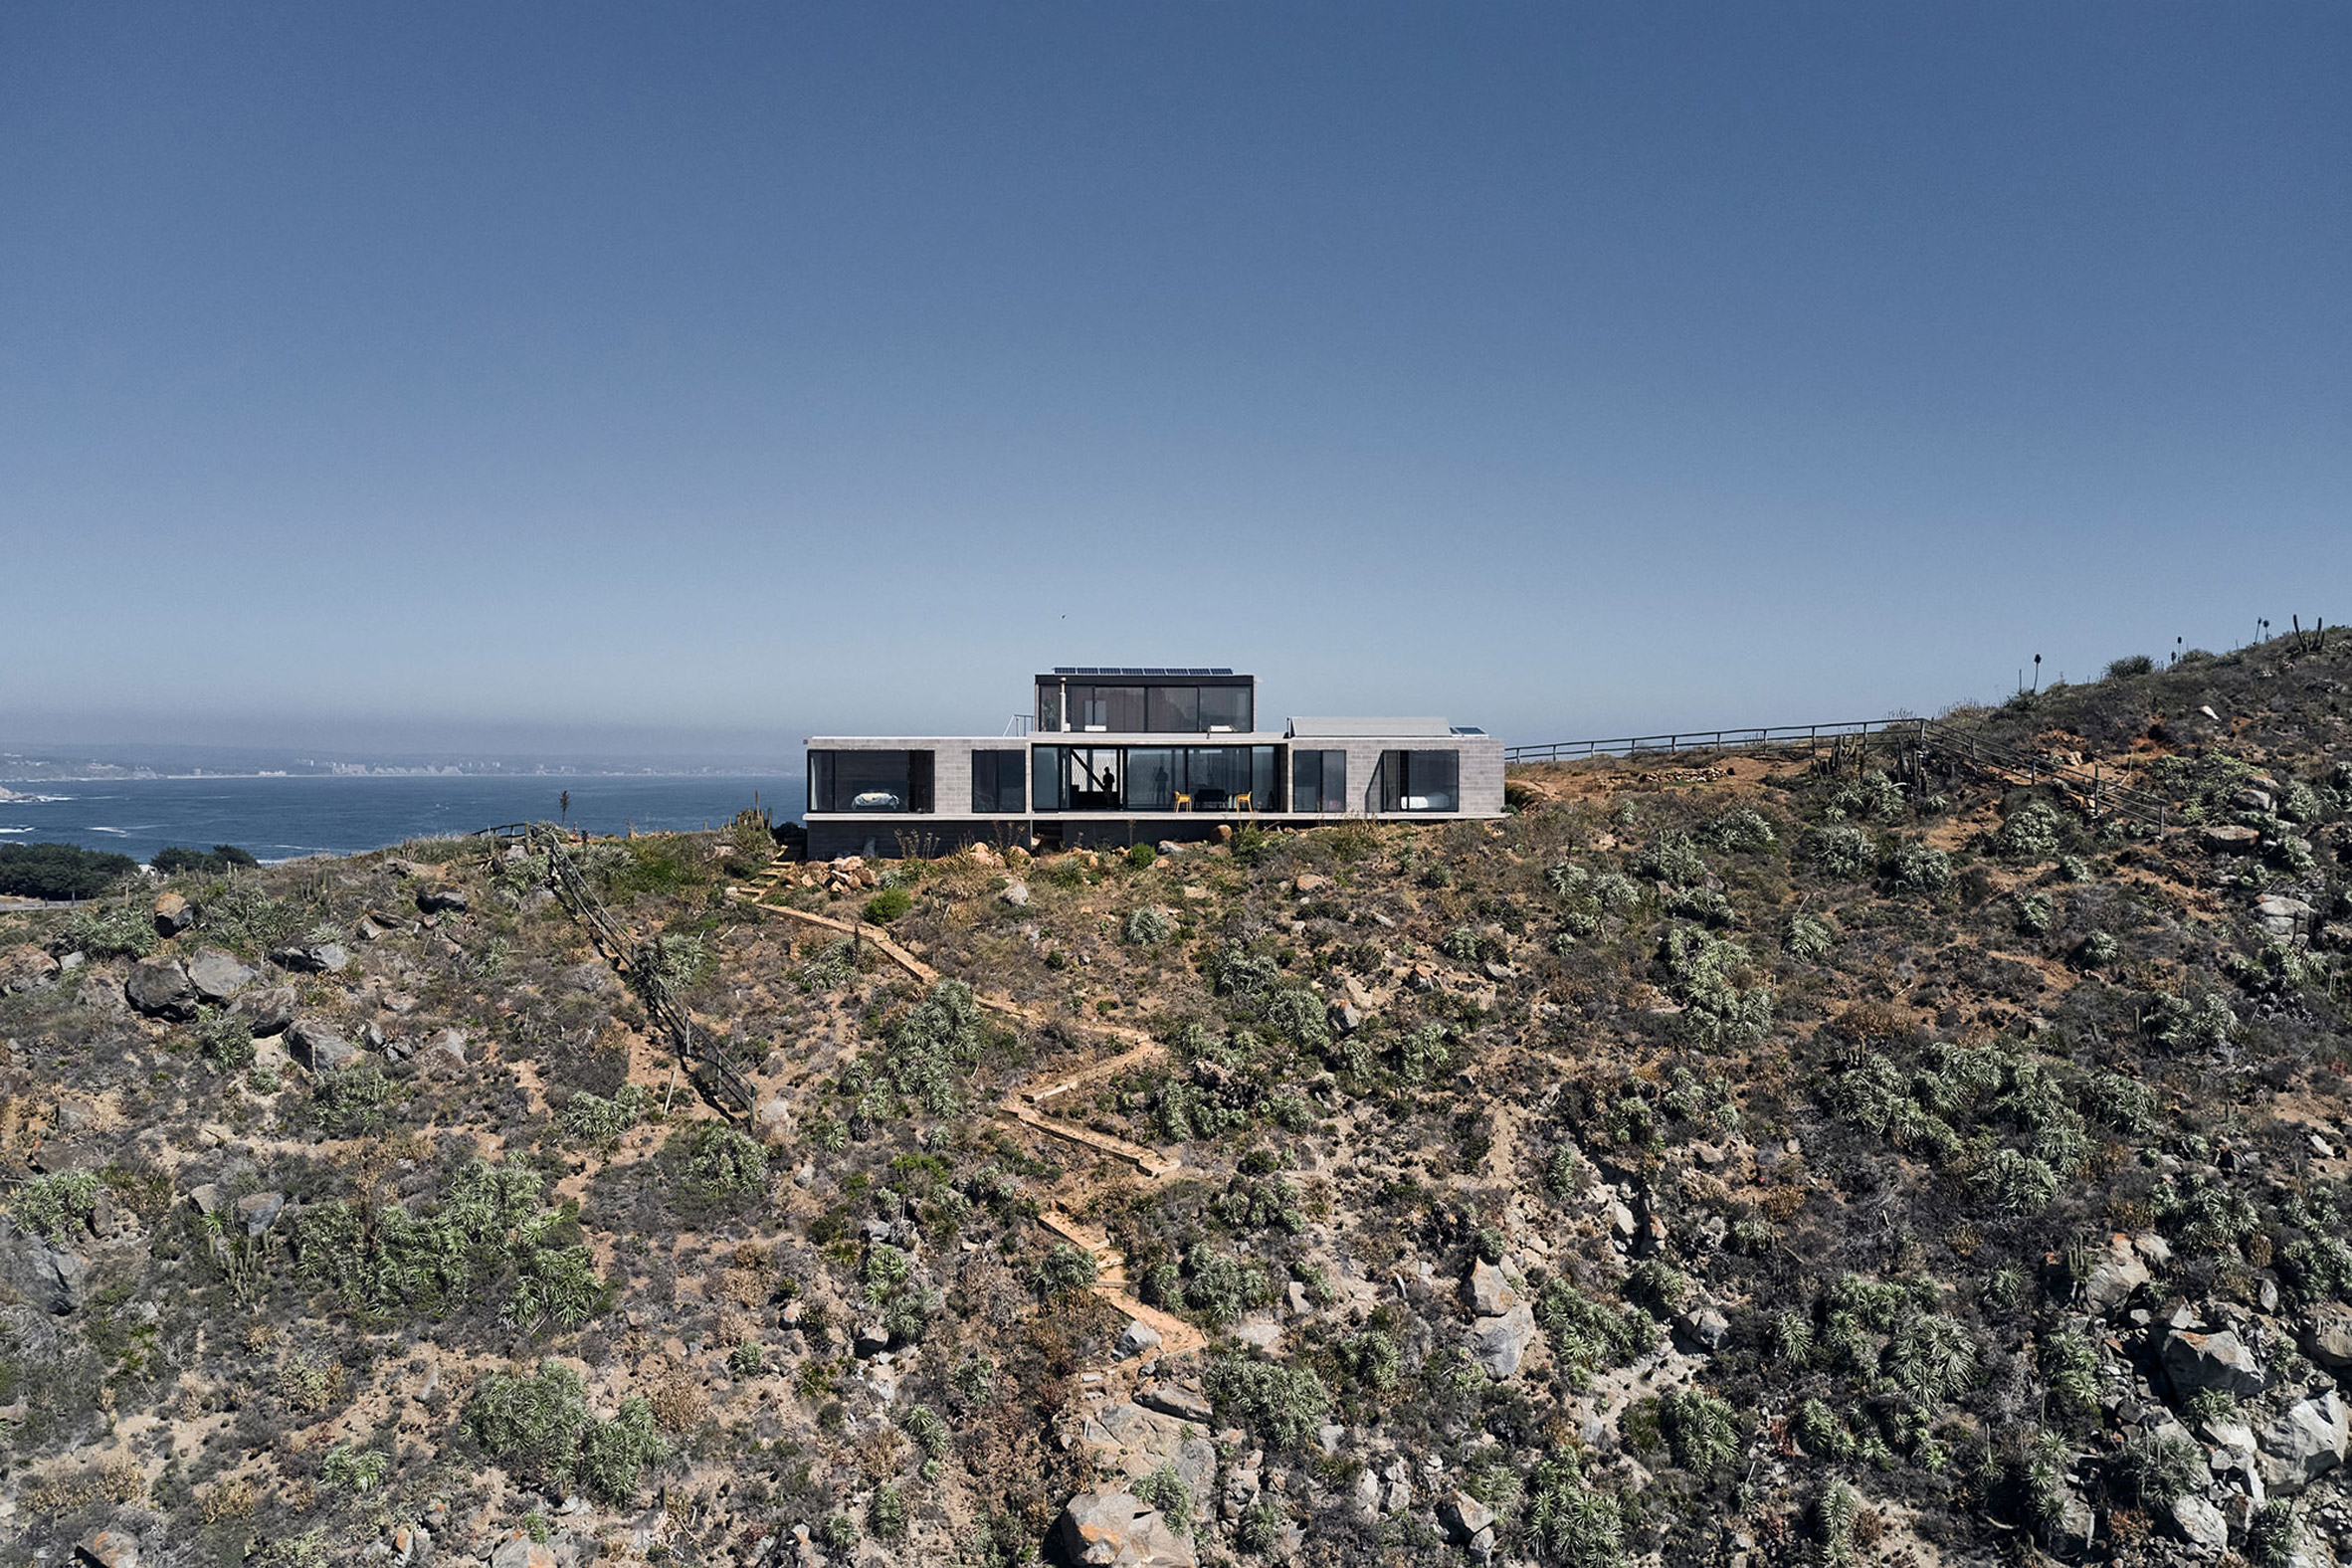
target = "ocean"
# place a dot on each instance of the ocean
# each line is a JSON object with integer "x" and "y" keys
{"x": 279, "y": 819}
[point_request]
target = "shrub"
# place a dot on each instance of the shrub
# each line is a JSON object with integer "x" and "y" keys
{"x": 2208, "y": 1023}
{"x": 1298, "y": 1016}
{"x": 1698, "y": 1430}
{"x": 538, "y": 1424}
{"x": 1808, "y": 939}
{"x": 1740, "y": 828}
{"x": 1165, "y": 1491}
{"x": 60, "y": 871}
{"x": 2031, "y": 832}
{"x": 226, "y": 1038}
{"x": 55, "y": 1206}
{"x": 124, "y": 931}
{"x": 1840, "y": 850}
{"x": 1065, "y": 1271}
{"x": 352, "y": 1101}
{"x": 1674, "y": 859}
{"x": 1150, "y": 926}
{"x": 722, "y": 1161}
{"x": 2130, "y": 665}
{"x": 1141, "y": 856}
{"x": 1586, "y": 1334}
{"x": 1920, "y": 868}
{"x": 886, "y": 1516}
{"x": 353, "y": 1469}
{"x": 1283, "y": 1404}
{"x": 2070, "y": 1366}
{"x": 889, "y": 906}
{"x": 2017, "y": 1183}
{"x": 597, "y": 1122}
{"x": 930, "y": 1048}
{"x": 1576, "y": 1523}
{"x": 833, "y": 967}
{"x": 2151, "y": 1468}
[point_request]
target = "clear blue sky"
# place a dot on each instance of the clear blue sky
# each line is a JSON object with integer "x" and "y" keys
{"x": 729, "y": 372}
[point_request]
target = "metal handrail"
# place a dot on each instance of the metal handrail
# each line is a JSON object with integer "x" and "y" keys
{"x": 631, "y": 959}
{"x": 1746, "y": 737}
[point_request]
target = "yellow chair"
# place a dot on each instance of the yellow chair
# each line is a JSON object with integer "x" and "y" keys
{"x": 1183, "y": 801}
{"x": 1241, "y": 802}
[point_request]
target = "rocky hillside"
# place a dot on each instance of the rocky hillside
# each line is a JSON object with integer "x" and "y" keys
{"x": 1836, "y": 1158}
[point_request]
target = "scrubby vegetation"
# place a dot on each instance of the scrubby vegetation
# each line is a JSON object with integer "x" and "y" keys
{"x": 1836, "y": 1158}
{"x": 60, "y": 871}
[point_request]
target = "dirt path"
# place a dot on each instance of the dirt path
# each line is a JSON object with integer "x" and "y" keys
{"x": 1022, "y": 1104}
{"x": 1110, "y": 1284}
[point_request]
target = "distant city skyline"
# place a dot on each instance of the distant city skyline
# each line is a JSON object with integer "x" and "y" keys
{"x": 602, "y": 382}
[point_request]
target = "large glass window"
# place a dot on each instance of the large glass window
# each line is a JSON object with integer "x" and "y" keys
{"x": 1172, "y": 709}
{"x": 870, "y": 781}
{"x": 1224, "y": 707}
{"x": 1156, "y": 778}
{"x": 1047, "y": 779}
{"x": 1118, "y": 709}
{"x": 1420, "y": 780}
{"x": 1000, "y": 781}
{"x": 1049, "y": 705}
{"x": 1318, "y": 780}
{"x": 1154, "y": 774}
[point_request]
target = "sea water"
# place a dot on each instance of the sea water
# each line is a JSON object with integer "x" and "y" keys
{"x": 279, "y": 818}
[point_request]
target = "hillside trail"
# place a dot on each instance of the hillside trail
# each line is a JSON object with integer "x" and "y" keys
{"x": 1022, "y": 1106}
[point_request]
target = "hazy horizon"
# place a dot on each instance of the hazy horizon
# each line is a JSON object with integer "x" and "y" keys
{"x": 687, "y": 383}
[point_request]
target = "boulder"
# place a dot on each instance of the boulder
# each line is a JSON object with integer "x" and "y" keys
{"x": 2229, "y": 839}
{"x": 259, "y": 1211}
{"x": 1138, "y": 1338}
{"x": 173, "y": 915}
{"x": 2328, "y": 1335}
{"x": 318, "y": 1046}
{"x": 448, "y": 1046}
{"x": 2309, "y": 1439}
{"x": 320, "y": 958}
{"x": 51, "y": 1278}
{"x": 1706, "y": 1328}
{"x": 24, "y": 967}
{"x": 2201, "y": 1361}
{"x": 1463, "y": 1517}
{"x": 1174, "y": 1399}
{"x": 218, "y": 977}
{"x": 270, "y": 1010}
{"x": 159, "y": 988}
{"x": 1016, "y": 892}
{"x": 1311, "y": 881}
{"x": 2280, "y": 915}
{"x": 2199, "y": 1524}
{"x": 1346, "y": 1018}
{"x": 107, "y": 1549}
{"x": 520, "y": 1551}
{"x": 2115, "y": 1276}
{"x": 442, "y": 900}
{"x": 1500, "y": 1344}
{"x": 1490, "y": 1292}
{"x": 1116, "y": 1527}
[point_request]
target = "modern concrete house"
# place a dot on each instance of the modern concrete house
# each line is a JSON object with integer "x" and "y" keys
{"x": 1121, "y": 756}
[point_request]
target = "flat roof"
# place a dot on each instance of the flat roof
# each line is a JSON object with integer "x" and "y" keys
{"x": 1338, "y": 728}
{"x": 1134, "y": 669}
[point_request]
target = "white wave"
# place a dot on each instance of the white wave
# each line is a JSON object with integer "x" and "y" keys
{"x": 15, "y": 830}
